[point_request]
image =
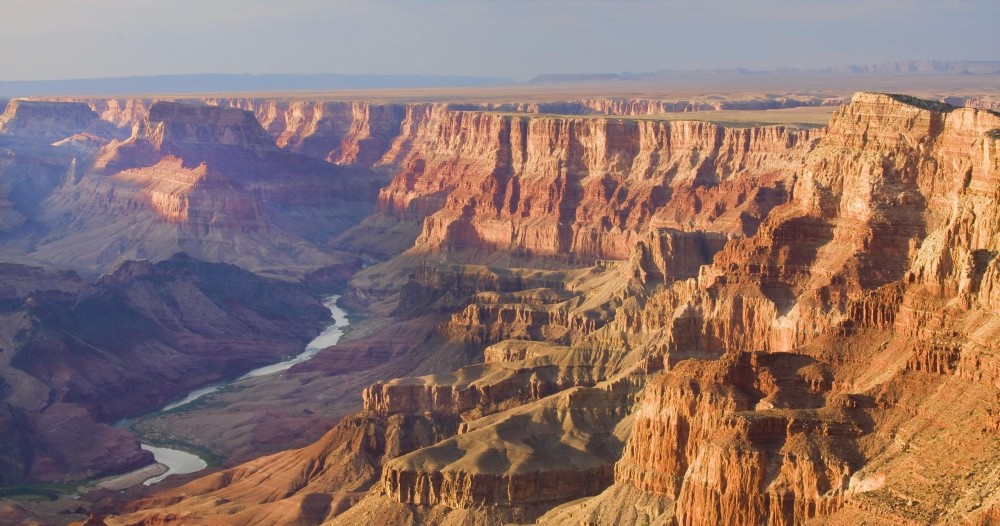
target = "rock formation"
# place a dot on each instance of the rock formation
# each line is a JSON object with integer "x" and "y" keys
{"x": 202, "y": 179}
{"x": 799, "y": 327}
{"x": 627, "y": 106}
{"x": 347, "y": 133}
{"x": 51, "y": 121}
{"x": 587, "y": 187}
{"x": 842, "y": 277}
{"x": 40, "y": 144}
{"x": 613, "y": 320}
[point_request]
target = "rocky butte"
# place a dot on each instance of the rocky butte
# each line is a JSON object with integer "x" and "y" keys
{"x": 596, "y": 319}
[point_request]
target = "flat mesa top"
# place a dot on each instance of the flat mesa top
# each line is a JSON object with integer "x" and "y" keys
{"x": 807, "y": 115}
{"x": 675, "y": 88}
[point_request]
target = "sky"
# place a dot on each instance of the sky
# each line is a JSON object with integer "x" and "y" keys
{"x": 63, "y": 39}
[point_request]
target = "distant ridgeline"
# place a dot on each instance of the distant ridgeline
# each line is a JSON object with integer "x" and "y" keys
{"x": 906, "y": 67}
{"x": 232, "y": 83}
{"x": 236, "y": 83}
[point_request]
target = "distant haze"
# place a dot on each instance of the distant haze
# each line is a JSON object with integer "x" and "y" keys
{"x": 67, "y": 39}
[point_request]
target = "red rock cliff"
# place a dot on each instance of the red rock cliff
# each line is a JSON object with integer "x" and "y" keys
{"x": 590, "y": 186}
{"x": 879, "y": 276}
{"x": 348, "y": 133}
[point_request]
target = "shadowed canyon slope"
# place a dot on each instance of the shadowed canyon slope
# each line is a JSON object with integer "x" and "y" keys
{"x": 80, "y": 356}
{"x": 569, "y": 318}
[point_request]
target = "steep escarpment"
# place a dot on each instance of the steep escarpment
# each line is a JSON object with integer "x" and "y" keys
{"x": 122, "y": 113}
{"x": 353, "y": 133}
{"x": 346, "y": 133}
{"x": 588, "y": 187}
{"x": 41, "y": 144}
{"x": 535, "y": 186}
{"x": 842, "y": 278}
{"x": 187, "y": 126}
{"x": 722, "y": 422}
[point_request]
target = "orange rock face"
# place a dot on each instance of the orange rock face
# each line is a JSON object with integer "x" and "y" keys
{"x": 536, "y": 185}
{"x": 862, "y": 276}
{"x": 347, "y": 133}
{"x": 722, "y": 422}
{"x": 863, "y": 297}
{"x": 582, "y": 186}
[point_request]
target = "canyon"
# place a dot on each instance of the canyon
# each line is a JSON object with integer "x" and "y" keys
{"x": 579, "y": 311}
{"x": 79, "y": 356}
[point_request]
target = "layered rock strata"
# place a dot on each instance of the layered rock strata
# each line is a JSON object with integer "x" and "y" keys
{"x": 303, "y": 486}
{"x": 619, "y": 106}
{"x": 206, "y": 180}
{"x": 801, "y": 327}
{"x": 834, "y": 287}
{"x": 51, "y": 121}
{"x": 354, "y": 133}
{"x": 588, "y": 187}
{"x": 841, "y": 276}
{"x": 606, "y": 178}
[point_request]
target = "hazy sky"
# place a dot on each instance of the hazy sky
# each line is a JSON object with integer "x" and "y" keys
{"x": 57, "y": 39}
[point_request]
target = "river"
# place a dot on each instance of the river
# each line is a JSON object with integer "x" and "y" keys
{"x": 181, "y": 462}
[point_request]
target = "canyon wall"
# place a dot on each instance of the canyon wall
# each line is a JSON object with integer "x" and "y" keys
{"x": 864, "y": 275}
{"x": 355, "y": 133}
{"x": 589, "y": 187}
{"x": 51, "y": 121}
{"x": 542, "y": 185}
{"x": 860, "y": 307}
{"x": 759, "y": 325}
{"x": 622, "y": 106}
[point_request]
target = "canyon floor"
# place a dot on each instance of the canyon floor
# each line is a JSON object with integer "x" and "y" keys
{"x": 617, "y": 303}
